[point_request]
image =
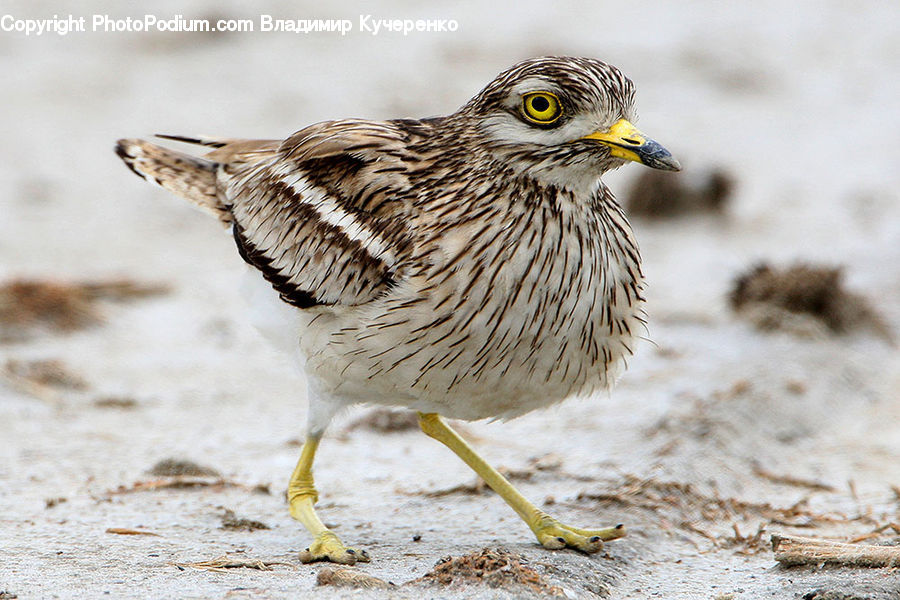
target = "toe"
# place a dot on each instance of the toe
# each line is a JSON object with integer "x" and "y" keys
{"x": 555, "y": 536}
{"x": 327, "y": 547}
{"x": 567, "y": 539}
{"x": 361, "y": 555}
{"x": 346, "y": 556}
{"x": 552, "y": 542}
{"x": 588, "y": 545}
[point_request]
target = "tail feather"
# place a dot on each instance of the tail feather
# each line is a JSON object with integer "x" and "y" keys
{"x": 187, "y": 176}
{"x": 200, "y": 140}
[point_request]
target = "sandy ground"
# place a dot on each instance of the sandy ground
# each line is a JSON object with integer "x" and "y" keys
{"x": 693, "y": 450}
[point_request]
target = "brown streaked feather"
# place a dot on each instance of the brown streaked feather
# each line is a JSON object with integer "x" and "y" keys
{"x": 228, "y": 150}
{"x": 324, "y": 216}
{"x": 244, "y": 151}
{"x": 199, "y": 140}
{"x": 320, "y": 214}
{"x": 182, "y": 174}
{"x": 473, "y": 264}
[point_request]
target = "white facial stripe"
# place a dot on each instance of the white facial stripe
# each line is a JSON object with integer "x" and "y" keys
{"x": 506, "y": 128}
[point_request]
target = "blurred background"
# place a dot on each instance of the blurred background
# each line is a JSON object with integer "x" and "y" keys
{"x": 784, "y": 116}
{"x": 797, "y": 102}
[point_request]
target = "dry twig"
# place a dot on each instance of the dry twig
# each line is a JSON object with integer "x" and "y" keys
{"x": 875, "y": 533}
{"x": 224, "y": 562}
{"x": 351, "y": 578}
{"x": 791, "y": 480}
{"x": 794, "y": 550}
{"x": 175, "y": 483}
{"x": 127, "y": 531}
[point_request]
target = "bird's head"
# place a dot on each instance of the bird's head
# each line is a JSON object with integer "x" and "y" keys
{"x": 563, "y": 120}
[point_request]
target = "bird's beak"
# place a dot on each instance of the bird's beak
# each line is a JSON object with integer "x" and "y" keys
{"x": 625, "y": 141}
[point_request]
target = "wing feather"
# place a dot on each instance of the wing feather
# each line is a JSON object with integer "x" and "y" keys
{"x": 324, "y": 216}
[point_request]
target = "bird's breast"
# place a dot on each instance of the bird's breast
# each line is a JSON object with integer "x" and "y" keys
{"x": 507, "y": 315}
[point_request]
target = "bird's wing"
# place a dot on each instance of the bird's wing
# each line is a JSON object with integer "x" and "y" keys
{"x": 324, "y": 218}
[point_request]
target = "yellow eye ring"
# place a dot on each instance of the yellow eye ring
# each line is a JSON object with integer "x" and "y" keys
{"x": 541, "y": 107}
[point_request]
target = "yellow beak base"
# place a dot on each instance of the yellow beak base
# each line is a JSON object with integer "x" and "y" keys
{"x": 625, "y": 141}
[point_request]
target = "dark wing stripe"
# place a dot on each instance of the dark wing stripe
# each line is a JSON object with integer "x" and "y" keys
{"x": 325, "y": 217}
{"x": 286, "y": 248}
{"x": 288, "y": 291}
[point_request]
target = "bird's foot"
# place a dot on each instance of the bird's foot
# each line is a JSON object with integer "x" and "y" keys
{"x": 554, "y": 535}
{"x": 328, "y": 547}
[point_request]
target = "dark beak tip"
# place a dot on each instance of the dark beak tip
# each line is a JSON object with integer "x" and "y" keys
{"x": 655, "y": 156}
{"x": 665, "y": 162}
{"x": 671, "y": 164}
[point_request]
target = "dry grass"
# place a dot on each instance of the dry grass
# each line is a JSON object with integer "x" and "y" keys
{"x": 232, "y": 521}
{"x": 222, "y": 563}
{"x": 31, "y": 305}
{"x": 792, "y": 480}
{"x": 716, "y": 519}
{"x": 43, "y": 379}
{"x": 178, "y": 483}
{"x": 174, "y": 473}
{"x": 660, "y": 195}
{"x": 832, "y": 595}
{"x": 793, "y": 551}
{"x": 129, "y": 531}
{"x": 494, "y": 567}
{"x": 775, "y": 299}
{"x": 119, "y": 402}
{"x": 351, "y": 578}
{"x": 177, "y": 467}
{"x": 55, "y": 501}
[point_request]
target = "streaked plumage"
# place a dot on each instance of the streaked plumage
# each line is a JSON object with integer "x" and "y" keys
{"x": 472, "y": 265}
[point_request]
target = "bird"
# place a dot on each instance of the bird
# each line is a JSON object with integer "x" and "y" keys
{"x": 470, "y": 266}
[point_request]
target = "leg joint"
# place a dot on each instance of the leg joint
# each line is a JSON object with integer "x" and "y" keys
{"x": 431, "y": 425}
{"x": 300, "y": 487}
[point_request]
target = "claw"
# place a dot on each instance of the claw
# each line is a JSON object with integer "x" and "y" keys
{"x": 554, "y": 535}
{"x": 328, "y": 547}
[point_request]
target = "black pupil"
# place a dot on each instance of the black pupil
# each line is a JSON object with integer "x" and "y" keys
{"x": 540, "y": 104}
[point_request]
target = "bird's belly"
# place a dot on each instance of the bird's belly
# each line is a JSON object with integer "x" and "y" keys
{"x": 496, "y": 352}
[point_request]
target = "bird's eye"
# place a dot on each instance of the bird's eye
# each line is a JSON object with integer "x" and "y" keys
{"x": 541, "y": 108}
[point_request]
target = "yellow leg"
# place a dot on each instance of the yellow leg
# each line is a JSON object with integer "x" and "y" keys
{"x": 550, "y": 533}
{"x": 302, "y": 495}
